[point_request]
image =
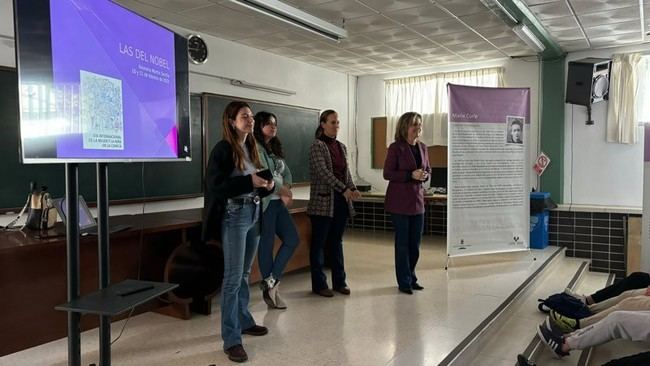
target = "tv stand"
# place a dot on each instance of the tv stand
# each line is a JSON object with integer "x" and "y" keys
{"x": 107, "y": 301}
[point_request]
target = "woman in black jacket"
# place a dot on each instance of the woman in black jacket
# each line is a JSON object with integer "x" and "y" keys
{"x": 232, "y": 213}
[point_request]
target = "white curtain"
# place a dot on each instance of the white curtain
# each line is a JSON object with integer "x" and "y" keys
{"x": 623, "y": 91}
{"x": 427, "y": 95}
{"x": 643, "y": 107}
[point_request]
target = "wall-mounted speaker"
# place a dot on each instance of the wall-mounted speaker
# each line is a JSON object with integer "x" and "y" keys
{"x": 588, "y": 81}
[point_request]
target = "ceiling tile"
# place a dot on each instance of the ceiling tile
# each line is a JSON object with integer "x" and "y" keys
{"x": 385, "y": 6}
{"x": 412, "y": 44}
{"x": 550, "y": 10}
{"x": 571, "y": 34}
{"x": 615, "y": 40}
{"x": 463, "y": 7}
{"x": 280, "y": 39}
{"x": 457, "y": 38}
{"x": 371, "y": 23}
{"x": 559, "y": 24}
{"x": 303, "y": 3}
{"x": 610, "y": 17}
{"x": 338, "y": 10}
{"x": 391, "y": 35}
{"x": 143, "y": 9}
{"x": 419, "y": 15}
{"x": 499, "y": 31}
{"x": 178, "y": 5}
{"x": 594, "y": 6}
{"x": 537, "y": 2}
{"x": 178, "y": 19}
{"x": 482, "y": 20}
{"x": 609, "y": 29}
{"x": 356, "y": 40}
{"x": 508, "y": 42}
{"x": 440, "y": 28}
{"x": 423, "y": 53}
{"x": 577, "y": 45}
{"x": 285, "y": 51}
{"x": 471, "y": 48}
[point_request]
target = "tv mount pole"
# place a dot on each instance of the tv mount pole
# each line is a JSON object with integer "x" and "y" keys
{"x": 72, "y": 245}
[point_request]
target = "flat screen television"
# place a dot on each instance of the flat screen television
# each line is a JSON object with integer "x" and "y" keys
{"x": 99, "y": 83}
{"x": 438, "y": 178}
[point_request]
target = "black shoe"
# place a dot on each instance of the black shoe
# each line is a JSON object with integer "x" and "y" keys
{"x": 345, "y": 290}
{"x": 324, "y": 292}
{"x": 523, "y": 361}
{"x": 256, "y": 330}
{"x": 552, "y": 341}
{"x": 416, "y": 286}
{"x": 237, "y": 353}
{"x": 406, "y": 290}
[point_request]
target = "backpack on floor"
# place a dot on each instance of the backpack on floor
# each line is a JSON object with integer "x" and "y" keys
{"x": 564, "y": 304}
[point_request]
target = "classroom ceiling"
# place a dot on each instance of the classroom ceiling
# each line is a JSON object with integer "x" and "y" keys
{"x": 401, "y": 35}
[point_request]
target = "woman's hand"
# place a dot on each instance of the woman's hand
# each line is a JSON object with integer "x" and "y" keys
{"x": 286, "y": 195}
{"x": 351, "y": 195}
{"x": 285, "y": 191}
{"x": 419, "y": 174}
{"x": 259, "y": 182}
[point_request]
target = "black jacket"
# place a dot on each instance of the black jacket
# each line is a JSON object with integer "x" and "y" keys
{"x": 219, "y": 186}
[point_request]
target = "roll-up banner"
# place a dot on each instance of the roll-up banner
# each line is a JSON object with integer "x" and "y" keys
{"x": 488, "y": 202}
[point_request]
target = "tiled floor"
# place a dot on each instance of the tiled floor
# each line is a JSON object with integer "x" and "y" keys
{"x": 376, "y": 325}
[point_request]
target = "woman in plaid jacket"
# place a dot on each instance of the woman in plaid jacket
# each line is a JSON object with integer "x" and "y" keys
{"x": 330, "y": 204}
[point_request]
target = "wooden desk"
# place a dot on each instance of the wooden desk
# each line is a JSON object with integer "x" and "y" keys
{"x": 33, "y": 269}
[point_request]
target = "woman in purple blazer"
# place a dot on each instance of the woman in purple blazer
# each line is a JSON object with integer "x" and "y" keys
{"x": 407, "y": 168}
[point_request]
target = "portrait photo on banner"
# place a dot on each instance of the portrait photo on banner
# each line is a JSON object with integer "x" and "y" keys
{"x": 514, "y": 130}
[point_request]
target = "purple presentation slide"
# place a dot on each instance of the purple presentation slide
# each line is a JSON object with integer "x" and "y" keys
{"x": 114, "y": 82}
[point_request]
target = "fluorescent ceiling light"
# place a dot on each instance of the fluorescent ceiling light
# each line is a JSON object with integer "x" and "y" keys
{"x": 296, "y": 17}
{"x": 499, "y": 10}
{"x": 269, "y": 89}
{"x": 528, "y": 37}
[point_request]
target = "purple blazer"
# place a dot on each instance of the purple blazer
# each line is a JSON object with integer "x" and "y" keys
{"x": 405, "y": 195}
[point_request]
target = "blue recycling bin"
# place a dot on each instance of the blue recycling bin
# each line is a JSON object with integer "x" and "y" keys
{"x": 539, "y": 219}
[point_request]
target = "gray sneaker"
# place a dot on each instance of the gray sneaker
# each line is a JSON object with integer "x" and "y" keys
{"x": 268, "y": 291}
{"x": 279, "y": 302}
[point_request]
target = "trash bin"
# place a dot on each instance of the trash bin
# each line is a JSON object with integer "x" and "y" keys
{"x": 540, "y": 203}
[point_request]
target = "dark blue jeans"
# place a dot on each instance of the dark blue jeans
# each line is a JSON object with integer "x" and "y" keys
{"x": 327, "y": 234}
{"x": 276, "y": 220}
{"x": 408, "y": 233}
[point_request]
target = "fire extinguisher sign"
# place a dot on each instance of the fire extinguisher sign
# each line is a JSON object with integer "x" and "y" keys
{"x": 541, "y": 163}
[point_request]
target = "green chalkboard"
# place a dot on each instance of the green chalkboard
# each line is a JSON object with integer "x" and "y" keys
{"x": 296, "y": 127}
{"x": 161, "y": 179}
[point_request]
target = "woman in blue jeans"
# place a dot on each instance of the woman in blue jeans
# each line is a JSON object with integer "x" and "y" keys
{"x": 407, "y": 168}
{"x": 276, "y": 218}
{"x": 232, "y": 212}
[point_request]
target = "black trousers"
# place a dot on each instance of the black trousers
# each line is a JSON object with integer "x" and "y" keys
{"x": 634, "y": 281}
{"x": 327, "y": 236}
{"x": 634, "y": 360}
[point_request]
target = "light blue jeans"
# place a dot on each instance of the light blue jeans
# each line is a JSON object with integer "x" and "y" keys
{"x": 240, "y": 236}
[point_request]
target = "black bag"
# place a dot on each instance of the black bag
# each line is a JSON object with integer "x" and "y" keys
{"x": 564, "y": 304}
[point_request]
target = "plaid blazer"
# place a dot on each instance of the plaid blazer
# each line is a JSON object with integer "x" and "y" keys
{"x": 323, "y": 183}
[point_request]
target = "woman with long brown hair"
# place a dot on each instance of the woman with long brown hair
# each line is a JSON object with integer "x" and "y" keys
{"x": 276, "y": 218}
{"x": 232, "y": 215}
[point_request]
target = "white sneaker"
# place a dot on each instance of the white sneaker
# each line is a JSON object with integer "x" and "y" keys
{"x": 575, "y": 295}
{"x": 279, "y": 303}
